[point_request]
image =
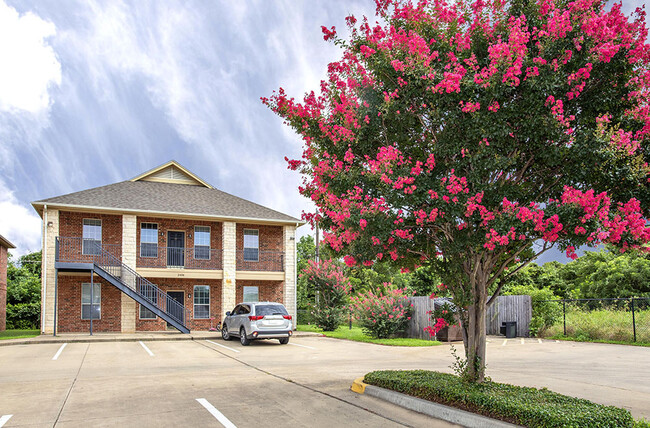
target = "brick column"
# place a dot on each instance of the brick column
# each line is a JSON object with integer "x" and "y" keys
{"x": 48, "y": 276}
{"x": 129, "y": 307}
{"x": 229, "y": 267}
{"x": 289, "y": 238}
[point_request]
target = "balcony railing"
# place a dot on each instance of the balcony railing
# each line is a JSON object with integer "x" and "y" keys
{"x": 266, "y": 261}
{"x": 79, "y": 250}
{"x": 153, "y": 256}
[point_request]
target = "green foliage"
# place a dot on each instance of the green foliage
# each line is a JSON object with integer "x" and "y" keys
{"x": 356, "y": 334}
{"x": 18, "y": 334}
{"x": 382, "y": 315}
{"x": 529, "y": 407}
{"x": 331, "y": 287}
{"x": 602, "y": 325}
{"x": 545, "y": 313}
{"x": 424, "y": 281}
{"x": 23, "y": 316}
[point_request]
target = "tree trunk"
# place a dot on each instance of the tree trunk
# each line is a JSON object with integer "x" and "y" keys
{"x": 474, "y": 335}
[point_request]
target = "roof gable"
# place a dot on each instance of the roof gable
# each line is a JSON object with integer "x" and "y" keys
{"x": 174, "y": 173}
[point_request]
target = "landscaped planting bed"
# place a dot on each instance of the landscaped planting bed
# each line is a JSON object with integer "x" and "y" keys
{"x": 529, "y": 407}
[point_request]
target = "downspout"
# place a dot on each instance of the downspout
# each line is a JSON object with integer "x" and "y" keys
{"x": 44, "y": 269}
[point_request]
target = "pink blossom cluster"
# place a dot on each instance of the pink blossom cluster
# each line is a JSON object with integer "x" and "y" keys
{"x": 392, "y": 305}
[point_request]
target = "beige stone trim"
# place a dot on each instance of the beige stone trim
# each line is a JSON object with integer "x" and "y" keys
{"x": 289, "y": 236}
{"x": 180, "y": 273}
{"x": 49, "y": 276}
{"x": 228, "y": 286}
{"x": 260, "y": 276}
{"x": 129, "y": 251}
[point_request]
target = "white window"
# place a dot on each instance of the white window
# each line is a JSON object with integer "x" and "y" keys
{"x": 149, "y": 291}
{"x": 251, "y": 245}
{"x": 201, "y": 302}
{"x": 85, "y": 301}
{"x": 251, "y": 294}
{"x": 148, "y": 240}
{"x": 202, "y": 242}
{"x": 92, "y": 237}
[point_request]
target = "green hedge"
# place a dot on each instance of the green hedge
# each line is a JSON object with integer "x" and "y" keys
{"x": 23, "y": 316}
{"x": 530, "y": 407}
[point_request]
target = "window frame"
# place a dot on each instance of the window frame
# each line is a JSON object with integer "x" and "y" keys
{"x": 99, "y": 286}
{"x": 157, "y": 240}
{"x": 84, "y": 251}
{"x": 257, "y": 233}
{"x": 209, "y": 246}
{"x": 244, "y": 293}
{"x": 194, "y": 304}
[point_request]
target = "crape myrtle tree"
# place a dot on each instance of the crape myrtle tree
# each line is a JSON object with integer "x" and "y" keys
{"x": 472, "y": 137}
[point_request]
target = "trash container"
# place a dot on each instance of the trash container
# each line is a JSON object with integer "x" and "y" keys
{"x": 509, "y": 329}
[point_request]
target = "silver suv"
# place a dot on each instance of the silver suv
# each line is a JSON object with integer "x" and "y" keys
{"x": 257, "y": 320}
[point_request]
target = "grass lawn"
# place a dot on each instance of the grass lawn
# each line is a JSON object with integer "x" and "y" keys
{"x": 18, "y": 334}
{"x": 605, "y": 326}
{"x": 356, "y": 334}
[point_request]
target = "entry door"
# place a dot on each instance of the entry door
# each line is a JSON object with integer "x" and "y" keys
{"x": 177, "y": 312}
{"x": 176, "y": 249}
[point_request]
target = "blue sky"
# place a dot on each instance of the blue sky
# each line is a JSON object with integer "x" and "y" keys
{"x": 95, "y": 92}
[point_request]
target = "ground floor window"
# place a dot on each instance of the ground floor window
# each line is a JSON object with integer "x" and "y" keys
{"x": 251, "y": 294}
{"x": 149, "y": 292}
{"x": 201, "y": 302}
{"x": 86, "y": 303}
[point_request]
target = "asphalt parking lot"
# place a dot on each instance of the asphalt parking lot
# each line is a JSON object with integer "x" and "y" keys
{"x": 305, "y": 383}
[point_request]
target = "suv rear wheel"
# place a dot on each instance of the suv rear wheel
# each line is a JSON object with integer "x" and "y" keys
{"x": 284, "y": 341}
{"x": 245, "y": 341}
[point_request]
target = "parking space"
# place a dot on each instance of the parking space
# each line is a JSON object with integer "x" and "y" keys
{"x": 164, "y": 383}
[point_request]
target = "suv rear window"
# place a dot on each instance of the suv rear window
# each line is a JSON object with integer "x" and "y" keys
{"x": 270, "y": 310}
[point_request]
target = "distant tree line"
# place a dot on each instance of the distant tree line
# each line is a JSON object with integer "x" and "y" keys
{"x": 24, "y": 292}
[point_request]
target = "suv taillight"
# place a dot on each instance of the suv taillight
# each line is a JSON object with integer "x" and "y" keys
{"x": 286, "y": 317}
{"x": 255, "y": 317}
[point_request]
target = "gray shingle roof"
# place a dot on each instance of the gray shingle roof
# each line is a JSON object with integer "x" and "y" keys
{"x": 174, "y": 198}
{"x": 5, "y": 243}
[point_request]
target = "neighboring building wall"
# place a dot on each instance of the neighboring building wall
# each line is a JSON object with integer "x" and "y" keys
{"x": 129, "y": 307}
{"x": 270, "y": 237}
{"x": 3, "y": 288}
{"x": 269, "y": 291}
{"x": 48, "y": 276}
{"x": 187, "y": 226}
{"x": 289, "y": 237}
{"x": 187, "y": 287}
{"x": 69, "y": 316}
{"x": 229, "y": 267}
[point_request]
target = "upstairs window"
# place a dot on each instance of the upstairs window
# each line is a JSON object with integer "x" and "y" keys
{"x": 148, "y": 240}
{"x": 92, "y": 237}
{"x": 251, "y": 245}
{"x": 202, "y": 242}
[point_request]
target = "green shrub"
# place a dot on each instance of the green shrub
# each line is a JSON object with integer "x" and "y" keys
{"x": 23, "y": 316}
{"x": 545, "y": 313}
{"x": 382, "y": 315}
{"x": 328, "y": 318}
{"x": 602, "y": 324}
{"x": 529, "y": 407}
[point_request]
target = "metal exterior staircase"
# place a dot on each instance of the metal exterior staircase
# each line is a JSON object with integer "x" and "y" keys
{"x": 128, "y": 281}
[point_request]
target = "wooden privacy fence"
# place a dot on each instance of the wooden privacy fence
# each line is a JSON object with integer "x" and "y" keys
{"x": 505, "y": 308}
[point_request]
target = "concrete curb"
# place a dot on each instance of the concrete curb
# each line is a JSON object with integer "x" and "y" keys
{"x": 39, "y": 340}
{"x": 435, "y": 410}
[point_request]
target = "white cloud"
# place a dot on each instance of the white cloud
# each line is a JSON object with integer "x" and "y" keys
{"x": 18, "y": 223}
{"x": 29, "y": 65}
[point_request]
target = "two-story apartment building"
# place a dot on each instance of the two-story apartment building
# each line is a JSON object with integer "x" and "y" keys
{"x": 162, "y": 250}
{"x": 4, "y": 256}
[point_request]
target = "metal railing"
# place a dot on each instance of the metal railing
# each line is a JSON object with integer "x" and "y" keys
{"x": 611, "y": 319}
{"x": 79, "y": 250}
{"x": 267, "y": 261}
{"x": 113, "y": 266}
{"x": 152, "y": 256}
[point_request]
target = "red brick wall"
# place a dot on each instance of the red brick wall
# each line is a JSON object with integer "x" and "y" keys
{"x": 69, "y": 316}
{"x": 187, "y": 226}
{"x": 71, "y": 225}
{"x": 187, "y": 286}
{"x": 270, "y": 236}
{"x": 3, "y": 288}
{"x": 269, "y": 291}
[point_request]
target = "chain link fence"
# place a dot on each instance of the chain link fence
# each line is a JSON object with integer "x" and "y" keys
{"x": 616, "y": 320}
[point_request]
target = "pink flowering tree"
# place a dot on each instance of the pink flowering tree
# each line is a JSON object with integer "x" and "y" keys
{"x": 474, "y": 136}
{"x": 383, "y": 314}
{"x": 332, "y": 287}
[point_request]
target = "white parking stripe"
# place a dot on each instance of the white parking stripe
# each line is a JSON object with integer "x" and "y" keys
{"x": 539, "y": 340}
{"x": 56, "y": 356}
{"x": 146, "y": 349}
{"x": 217, "y": 414}
{"x": 504, "y": 342}
{"x": 522, "y": 340}
{"x": 4, "y": 419}
{"x": 223, "y": 346}
{"x": 302, "y": 346}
